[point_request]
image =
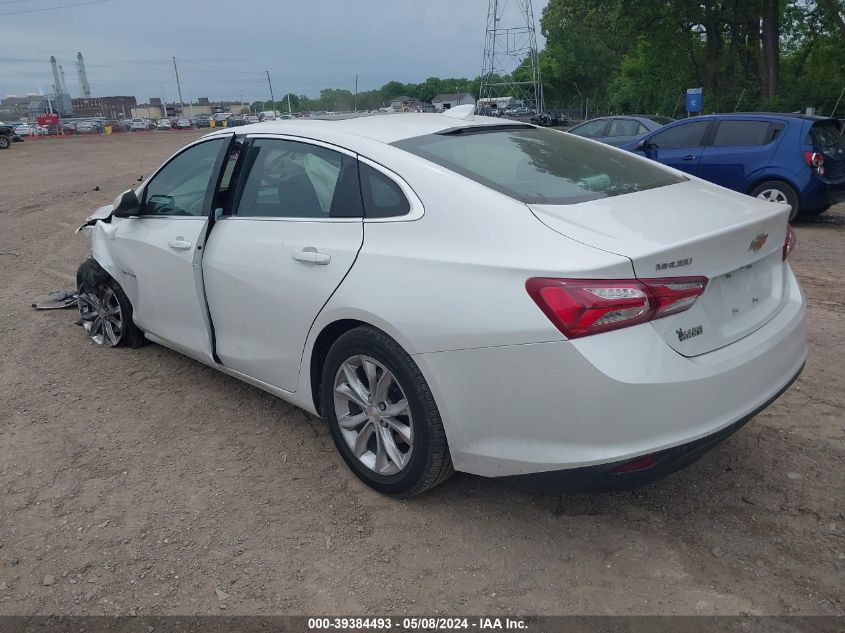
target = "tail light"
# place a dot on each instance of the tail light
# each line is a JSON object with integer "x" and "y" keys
{"x": 789, "y": 243}
{"x": 816, "y": 161}
{"x": 580, "y": 307}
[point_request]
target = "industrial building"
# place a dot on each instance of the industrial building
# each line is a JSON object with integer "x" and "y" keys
{"x": 107, "y": 107}
{"x": 446, "y": 101}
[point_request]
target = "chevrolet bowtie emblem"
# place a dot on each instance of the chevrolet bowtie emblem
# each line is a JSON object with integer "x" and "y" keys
{"x": 757, "y": 242}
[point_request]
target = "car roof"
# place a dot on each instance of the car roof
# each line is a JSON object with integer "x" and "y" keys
{"x": 759, "y": 115}
{"x": 385, "y": 128}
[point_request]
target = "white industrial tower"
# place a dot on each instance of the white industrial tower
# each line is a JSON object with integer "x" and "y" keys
{"x": 57, "y": 81}
{"x": 83, "y": 78}
{"x": 511, "y": 40}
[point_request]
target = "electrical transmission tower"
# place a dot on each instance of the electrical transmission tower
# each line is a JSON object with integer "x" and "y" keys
{"x": 511, "y": 67}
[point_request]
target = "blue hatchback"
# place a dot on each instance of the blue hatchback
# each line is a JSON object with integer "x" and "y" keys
{"x": 791, "y": 158}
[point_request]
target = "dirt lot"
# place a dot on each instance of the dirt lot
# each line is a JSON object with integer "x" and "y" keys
{"x": 139, "y": 481}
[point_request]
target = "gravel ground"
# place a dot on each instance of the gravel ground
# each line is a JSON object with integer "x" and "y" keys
{"x": 139, "y": 481}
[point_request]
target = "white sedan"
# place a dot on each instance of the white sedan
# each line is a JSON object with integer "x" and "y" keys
{"x": 458, "y": 292}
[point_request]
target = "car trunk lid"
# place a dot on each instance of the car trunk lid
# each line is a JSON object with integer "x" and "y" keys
{"x": 691, "y": 229}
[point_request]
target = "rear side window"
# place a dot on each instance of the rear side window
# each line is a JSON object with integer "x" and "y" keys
{"x": 625, "y": 127}
{"x": 540, "y": 166}
{"x": 683, "y": 135}
{"x": 288, "y": 179}
{"x": 735, "y": 133}
{"x": 382, "y": 197}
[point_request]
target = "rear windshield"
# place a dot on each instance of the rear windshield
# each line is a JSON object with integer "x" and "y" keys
{"x": 539, "y": 166}
{"x": 826, "y": 136}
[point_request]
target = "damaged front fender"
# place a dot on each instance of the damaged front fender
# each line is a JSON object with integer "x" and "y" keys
{"x": 102, "y": 241}
{"x": 103, "y": 214}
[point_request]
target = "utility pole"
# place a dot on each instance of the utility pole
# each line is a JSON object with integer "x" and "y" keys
{"x": 179, "y": 89}
{"x": 272, "y": 98}
{"x": 356, "y": 94}
{"x": 289, "y": 104}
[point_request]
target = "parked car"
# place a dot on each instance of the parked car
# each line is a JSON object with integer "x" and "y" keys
{"x": 138, "y": 124}
{"x": 576, "y": 283}
{"x": 7, "y": 134}
{"x": 8, "y": 129}
{"x": 519, "y": 111}
{"x": 184, "y": 123}
{"x": 549, "y": 119}
{"x": 25, "y": 129}
{"x": 619, "y": 130}
{"x": 202, "y": 121}
{"x": 794, "y": 159}
{"x": 87, "y": 127}
{"x": 252, "y": 118}
{"x": 236, "y": 120}
{"x": 164, "y": 124}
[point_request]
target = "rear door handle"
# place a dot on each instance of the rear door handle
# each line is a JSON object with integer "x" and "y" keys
{"x": 179, "y": 244}
{"x": 690, "y": 157}
{"x": 311, "y": 255}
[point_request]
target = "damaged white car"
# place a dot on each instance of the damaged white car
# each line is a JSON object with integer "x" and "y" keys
{"x": 459, "y": 292}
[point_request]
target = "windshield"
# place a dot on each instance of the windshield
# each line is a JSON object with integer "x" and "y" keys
{"x": 539, "y": 166}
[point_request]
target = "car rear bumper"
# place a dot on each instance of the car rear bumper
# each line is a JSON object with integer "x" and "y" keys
{"x": 605, "y": 399}
{"x": 641, "y": 470}
{"x": 822, "y": 194}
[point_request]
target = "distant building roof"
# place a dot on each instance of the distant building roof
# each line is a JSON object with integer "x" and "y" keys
{"x": 451, "y": 97}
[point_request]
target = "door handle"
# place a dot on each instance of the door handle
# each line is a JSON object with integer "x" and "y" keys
{"x": 179, "y": 244}
{"x": 311, "y": 255}
{"x": 690, "y": 157}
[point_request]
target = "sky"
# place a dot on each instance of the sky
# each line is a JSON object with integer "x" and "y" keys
{"x": 222, "y": 49}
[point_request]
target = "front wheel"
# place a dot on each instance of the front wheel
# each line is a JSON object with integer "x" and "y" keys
{"x": 777, "y": 191}
{"x": 382, "y": 415}
{"x": 5, "y": 142}
{"x": 104, "y": 309}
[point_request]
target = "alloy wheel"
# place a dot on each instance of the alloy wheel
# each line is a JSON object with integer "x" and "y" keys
{"x": 373, "y": 415}
{"x": 773, "y": 195}
{"x": 101, "y": 315}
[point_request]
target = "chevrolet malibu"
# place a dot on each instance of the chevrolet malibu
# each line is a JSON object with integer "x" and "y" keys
{"x": 453, "y": 292}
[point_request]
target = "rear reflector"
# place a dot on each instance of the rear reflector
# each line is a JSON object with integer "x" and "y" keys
{"x": 789, "y": 243}
{"x": 638, "y": 464}
{"x": 580, "y": 307}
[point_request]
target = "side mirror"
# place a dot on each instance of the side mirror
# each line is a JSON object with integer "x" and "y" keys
{"x": 126, "y": 205}
{"x": 643, "y": 145}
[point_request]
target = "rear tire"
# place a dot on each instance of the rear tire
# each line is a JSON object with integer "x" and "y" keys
{"x": 390, "y": 432}
{"x": 777, "y": 191}
{"x": 5, "y": 142}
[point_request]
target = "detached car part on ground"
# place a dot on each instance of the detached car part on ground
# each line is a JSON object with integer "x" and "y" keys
{"x": 459, "y": 292}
